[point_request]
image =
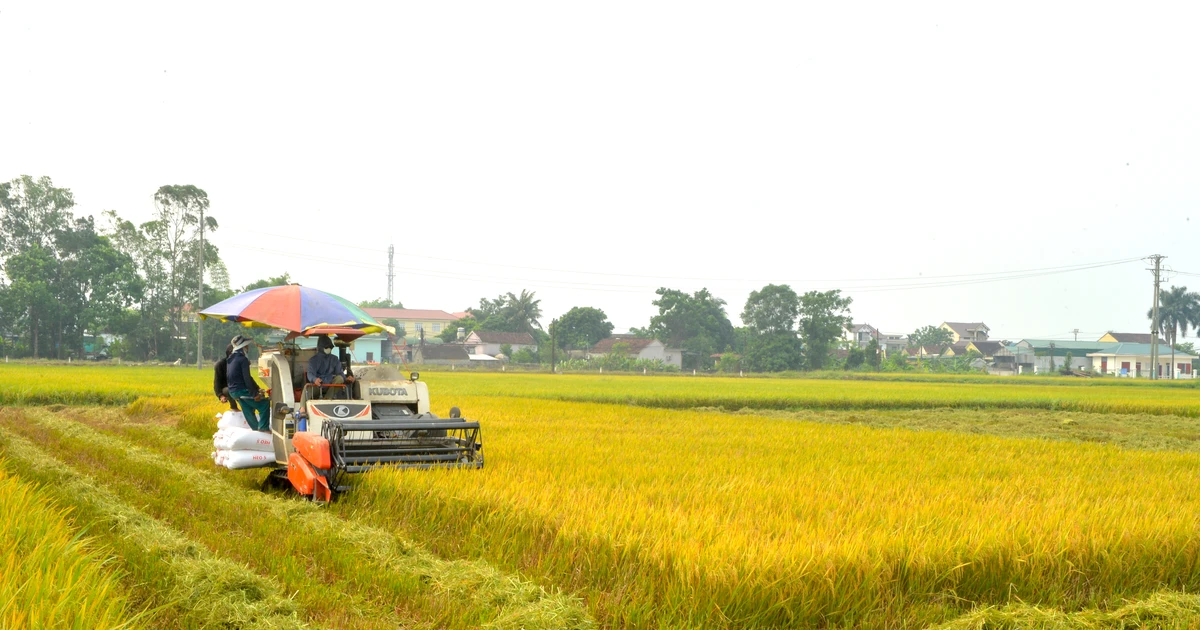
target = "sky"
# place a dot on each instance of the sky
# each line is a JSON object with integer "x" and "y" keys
{"x": 921, "y": 157}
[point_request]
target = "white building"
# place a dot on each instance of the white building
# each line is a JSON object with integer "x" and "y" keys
{"x": 650, "y": 349}
{"x": 1133, "y": 360}
{"x": 489, "y": 342}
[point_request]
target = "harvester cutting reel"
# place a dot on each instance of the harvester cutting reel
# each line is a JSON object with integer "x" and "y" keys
{"x": 318, "y": 463}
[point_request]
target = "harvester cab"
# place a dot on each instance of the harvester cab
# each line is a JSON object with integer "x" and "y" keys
{"x": 381, "y": 419}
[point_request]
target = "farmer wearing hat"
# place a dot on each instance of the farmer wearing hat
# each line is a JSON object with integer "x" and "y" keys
{"x": 244, "y": 389}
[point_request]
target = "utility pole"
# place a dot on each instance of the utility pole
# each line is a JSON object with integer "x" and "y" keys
{"x": 1157, "y": 258}
{"x": 391, "y": 272}
{"x": 1076, "y": 331}
{"x": 200, "y": 300}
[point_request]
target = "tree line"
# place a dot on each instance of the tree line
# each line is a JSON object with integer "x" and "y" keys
{"x": 68, "y": 282}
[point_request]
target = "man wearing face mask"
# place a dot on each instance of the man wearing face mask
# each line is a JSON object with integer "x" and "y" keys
{"x": 325, "y": 368}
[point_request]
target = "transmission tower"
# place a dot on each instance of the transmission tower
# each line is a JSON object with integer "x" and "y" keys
{"x": 391, "y": 272}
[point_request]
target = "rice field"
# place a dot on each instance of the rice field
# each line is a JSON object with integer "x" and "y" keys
{"x": 651, "y": 502}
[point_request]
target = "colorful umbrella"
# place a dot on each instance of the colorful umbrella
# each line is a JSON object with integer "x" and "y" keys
{"x": 295, "y": 308}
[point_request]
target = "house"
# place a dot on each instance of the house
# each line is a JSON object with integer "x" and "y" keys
{"x": 928, "y": 352}
{"x": 986, "y": 349}
{"x": 411, "y": 321}
{"x": 1041, "y": 352}
{"x": 966, "y": 331}
{"x": 1133, "y": 360}
{"x": 860, "y": 334}
{"x": 441, "y": 354}
{"x": 1116, "y": 337}
{"x": 891, "y": 342}
{"x": 489, "y": 341}
{"x": 1011, "y": 360}
{"x": 641, "y": 348}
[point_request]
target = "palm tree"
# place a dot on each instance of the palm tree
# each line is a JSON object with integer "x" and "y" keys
{"x": 1177, "y": 310}
{"x": 523, "y": 311}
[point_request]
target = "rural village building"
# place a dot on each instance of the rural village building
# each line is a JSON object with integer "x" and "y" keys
{"x": 413, "y": 320}
{"x": 488, "y": 342}
{"x": 1129, "y": 337}
{"x": 441, "y": 354}
{"x": 650, "y": 349}
{"x": 1133, "y": 360}
{"x": 860, "y": 334}
{"x": 966, "y": 331}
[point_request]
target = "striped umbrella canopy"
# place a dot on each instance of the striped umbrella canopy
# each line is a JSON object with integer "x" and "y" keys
{"x": 295, "y": 308}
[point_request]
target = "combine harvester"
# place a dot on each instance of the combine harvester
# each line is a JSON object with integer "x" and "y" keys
{"x": 382, "y": 419}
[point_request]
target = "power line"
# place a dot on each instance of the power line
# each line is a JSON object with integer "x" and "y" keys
{"x": 926, "y": 283}
{"x": 711, "y": 279}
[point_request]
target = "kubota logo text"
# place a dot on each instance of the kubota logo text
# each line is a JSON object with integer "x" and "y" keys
{"x": 387, "y": 391}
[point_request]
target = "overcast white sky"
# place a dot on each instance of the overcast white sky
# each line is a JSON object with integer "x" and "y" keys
{"x": 595, "y": 151}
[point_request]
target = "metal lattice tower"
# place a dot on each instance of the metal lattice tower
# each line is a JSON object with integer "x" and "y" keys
{"x": 391, "y": 273}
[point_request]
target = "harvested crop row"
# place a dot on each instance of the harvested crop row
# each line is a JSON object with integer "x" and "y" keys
{"x": 50, "y": 577}
{"x": 292, "y": 539}
{"x": 691, "y": 519}
{"x": 187, "y": 585}
{"x": 1163, "y": 610}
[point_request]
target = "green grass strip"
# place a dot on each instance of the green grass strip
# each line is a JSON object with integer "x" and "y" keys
{"x": 194, "y": 588}
{"x": 443, "y": 593}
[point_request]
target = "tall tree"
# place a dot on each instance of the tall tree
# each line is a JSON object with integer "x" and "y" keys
{"x": 523, "y": 311}
{"x": 823, "y": 315}
{"x": 380, "y": 303}
{"x": 450, "y": 334}
{"x": 930, "y": 336}
{"x": 772, "y": 309}
{"x": 1178, "y": 309}
{"x": 273, "y": 281}
{"x": 32, "y": 213}
{"x": 488, "y": 307}
{"x": 511, "y": 313}
{"x": 31, "y": 275}
{"x": 182, "y": 221}
{"x": 697, "y": 323}
{"x": 580, "y": 328}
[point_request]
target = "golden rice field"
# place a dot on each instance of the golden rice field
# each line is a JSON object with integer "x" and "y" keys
{"x": 646, "y": 502}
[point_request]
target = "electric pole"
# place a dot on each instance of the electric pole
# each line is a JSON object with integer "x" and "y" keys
{"x": 1157, "y": 258}
{"x": 200, "y": 300}
{"x": 391, "y": 272}
{"x": 1076, "y": 331}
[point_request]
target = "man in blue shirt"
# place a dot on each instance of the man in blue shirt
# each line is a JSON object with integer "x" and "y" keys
{"x": 244, "y": 389}
{"x": 325, "y": 368}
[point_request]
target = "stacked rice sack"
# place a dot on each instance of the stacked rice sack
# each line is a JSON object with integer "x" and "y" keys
{"x": 238, "y": 446}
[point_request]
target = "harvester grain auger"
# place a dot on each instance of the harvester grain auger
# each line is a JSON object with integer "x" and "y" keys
{"x": 381, "y": 419}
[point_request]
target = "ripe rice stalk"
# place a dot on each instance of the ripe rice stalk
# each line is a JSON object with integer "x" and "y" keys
{"x": 695, "y": 519}
{"x": 189, "y": 585}
{"x": 51, "y": 576}
{"x": 453, "y": 593}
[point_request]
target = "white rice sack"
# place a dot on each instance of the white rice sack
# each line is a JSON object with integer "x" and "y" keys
{"x": 222, "y": 437}
{"x": 237, "y": 460}
{"x": 246, "y": 440}
{"x": 233, "y": 420}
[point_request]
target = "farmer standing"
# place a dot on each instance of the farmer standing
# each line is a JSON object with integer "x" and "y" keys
{"x": 244, "y": 389}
